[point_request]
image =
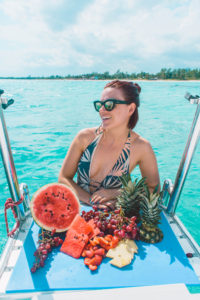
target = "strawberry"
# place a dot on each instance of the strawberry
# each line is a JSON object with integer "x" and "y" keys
{"x": 96, "y": 260}
{"x": 87, "y": 261}
{"x": 92, "y": 267}
{"x": 89, "y": 253}
{"x": 100, "y": 252}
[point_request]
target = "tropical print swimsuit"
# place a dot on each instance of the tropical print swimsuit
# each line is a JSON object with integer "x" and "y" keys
{"x": 112, "y": 180}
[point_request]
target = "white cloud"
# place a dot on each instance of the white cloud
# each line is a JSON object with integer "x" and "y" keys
{"x": 104, "y": 35}
{"x": 153, "y": 31}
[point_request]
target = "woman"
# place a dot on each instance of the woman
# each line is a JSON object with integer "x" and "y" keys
{"x": 101, "y": 155}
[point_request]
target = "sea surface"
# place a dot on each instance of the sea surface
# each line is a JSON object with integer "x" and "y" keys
{"x": 47, "y": 115}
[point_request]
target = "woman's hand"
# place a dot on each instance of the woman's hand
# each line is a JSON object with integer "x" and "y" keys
{"x": 105, "y": 198}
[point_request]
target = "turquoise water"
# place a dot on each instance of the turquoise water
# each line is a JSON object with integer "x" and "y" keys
{"x": 47, "y": 115}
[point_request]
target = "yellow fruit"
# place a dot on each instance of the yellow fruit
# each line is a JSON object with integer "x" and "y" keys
{"x": 131, "y": 245}
{"x": 120, "y": 261}
{"x": 122, "y": 254}
{"x": 121, "y": 250}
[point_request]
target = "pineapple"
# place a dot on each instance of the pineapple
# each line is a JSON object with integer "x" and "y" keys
{"x": 150, "y": 216}
{"x": 123, "y": 254}
{"x": 136, "y": 200}
{"x": 130, "y": 196}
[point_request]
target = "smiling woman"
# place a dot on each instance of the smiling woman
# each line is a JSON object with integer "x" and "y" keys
{"x": 100, "y": 156}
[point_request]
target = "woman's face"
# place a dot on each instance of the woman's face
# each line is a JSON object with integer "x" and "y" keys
{"x": 120, "y": 114}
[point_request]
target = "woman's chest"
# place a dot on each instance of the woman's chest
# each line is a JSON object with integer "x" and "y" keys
{"x": 102, "y": 161}
{"x": 109, "y": 160}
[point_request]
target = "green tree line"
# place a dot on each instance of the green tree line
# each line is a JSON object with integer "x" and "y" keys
{"x": 164, "y": 74}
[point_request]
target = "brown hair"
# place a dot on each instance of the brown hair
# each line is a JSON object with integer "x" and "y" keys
{"x": 131, "y": 93}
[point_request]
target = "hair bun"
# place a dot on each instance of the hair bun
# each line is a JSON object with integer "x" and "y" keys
{"x": 138, "y": 87}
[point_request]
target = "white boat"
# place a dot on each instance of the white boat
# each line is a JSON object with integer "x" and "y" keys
{"x": 159, "y": 271}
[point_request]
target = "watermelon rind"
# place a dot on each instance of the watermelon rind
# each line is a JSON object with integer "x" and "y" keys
{"x": 38, "y": 221}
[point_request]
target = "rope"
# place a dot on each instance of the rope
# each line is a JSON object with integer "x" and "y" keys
{"x": 11, "y": 204}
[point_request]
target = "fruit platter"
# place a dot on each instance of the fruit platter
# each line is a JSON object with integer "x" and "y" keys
{"x": 72, "y": 246}
{"x": 85, "y": 239}
{"x": 93, "y": 234}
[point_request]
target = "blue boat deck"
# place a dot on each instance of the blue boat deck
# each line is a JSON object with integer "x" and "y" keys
{"x": 159, "y": 264}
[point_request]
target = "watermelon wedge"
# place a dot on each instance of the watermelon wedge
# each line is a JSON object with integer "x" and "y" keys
{"x": 81, "y": 226}
{"x": 96, "y": 229}
{"x": 77, "y": 237}
{"x": 74, "y": 243}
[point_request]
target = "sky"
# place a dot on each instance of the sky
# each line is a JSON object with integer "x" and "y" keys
{"x": 60, "y": 37}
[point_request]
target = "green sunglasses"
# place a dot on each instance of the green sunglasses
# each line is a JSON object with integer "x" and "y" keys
{"x": 109, "y": 104}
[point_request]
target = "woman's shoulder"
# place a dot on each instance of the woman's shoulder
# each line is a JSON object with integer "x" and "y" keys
{"x": 86, "y": 136}
{"x": 140, "y": 150}
{"x": 138, "y": 141}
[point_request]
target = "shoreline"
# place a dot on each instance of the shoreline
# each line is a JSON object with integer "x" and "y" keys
{"x": 80, "y": 79}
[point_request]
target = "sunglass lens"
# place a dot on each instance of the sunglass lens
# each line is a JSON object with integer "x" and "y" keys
{"x": 98, "y": 105}
{"x": 109, "y": 105}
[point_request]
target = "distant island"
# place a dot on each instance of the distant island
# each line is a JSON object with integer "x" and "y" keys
{"x": 164, "y": 74}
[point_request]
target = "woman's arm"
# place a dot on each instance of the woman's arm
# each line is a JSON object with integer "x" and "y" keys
{"x": 70, "y": 164}
{"x": 148, "y": 166}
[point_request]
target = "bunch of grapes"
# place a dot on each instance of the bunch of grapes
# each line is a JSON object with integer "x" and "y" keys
{"x": 114, "y": 223}
{"x": 46, "y": 242}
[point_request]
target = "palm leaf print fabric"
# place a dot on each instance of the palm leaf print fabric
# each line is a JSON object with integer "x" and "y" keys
{"x": 112, "y": 180}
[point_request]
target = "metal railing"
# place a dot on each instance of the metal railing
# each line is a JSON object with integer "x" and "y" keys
{"x": 15, "y": 190}
{"x": 171, "y": 193}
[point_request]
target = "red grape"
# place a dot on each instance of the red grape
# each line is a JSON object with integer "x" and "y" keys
{"x": 95, "y": 207}
{"x": 41, "y": 263}
{"x": 46, "y": 243}
{"x": 128, "y": 228}
{"x": 33, "y": 269}
{"x": 48, "y": 246}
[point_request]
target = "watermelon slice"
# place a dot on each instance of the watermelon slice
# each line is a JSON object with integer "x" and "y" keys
{"x": 54, "y": 207}
{"x": 96, "y": 229}
{"x": 77, "y": 237}
{"x": 81, "y": 226}
{"x": 74, "y": 243}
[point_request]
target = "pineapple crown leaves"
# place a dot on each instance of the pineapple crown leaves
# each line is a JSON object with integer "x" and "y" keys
{"x": 130, "y": 195}
{"x": 132, "y": 187}
{"x": 135, "y": 196}
{"x": 131, "y": 190}
{"x": 150, "y": 208}
{"x": 125, "y": 178}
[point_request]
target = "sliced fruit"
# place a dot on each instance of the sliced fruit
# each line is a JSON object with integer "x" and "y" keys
{"x": 74, "y": 243}
{"x": 81, "y": 226}
{"x": 87, "y": 261}
{"x": 92, "y": 267}
{"x": 96, "y": 260}
{"x": 131, "y": 246}
{"x": 96, "y": 230}
{"x": 121, "y": 250}
{"x": 122, "y": 254}
{"x": 89, "y": 253}
{"x": 120, "y": 261}
{"x": 100, "y": 251}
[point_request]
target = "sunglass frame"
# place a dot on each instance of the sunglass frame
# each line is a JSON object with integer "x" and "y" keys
{"x": 103, "y": 103}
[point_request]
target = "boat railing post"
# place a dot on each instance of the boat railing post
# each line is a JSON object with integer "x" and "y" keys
{"x": 8, "y": 162}
{"x": 187, "y": 156}
{"x": 166, "y": 193}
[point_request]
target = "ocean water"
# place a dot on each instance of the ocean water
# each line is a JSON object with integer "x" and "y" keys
{"x": 47, "y": 114}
